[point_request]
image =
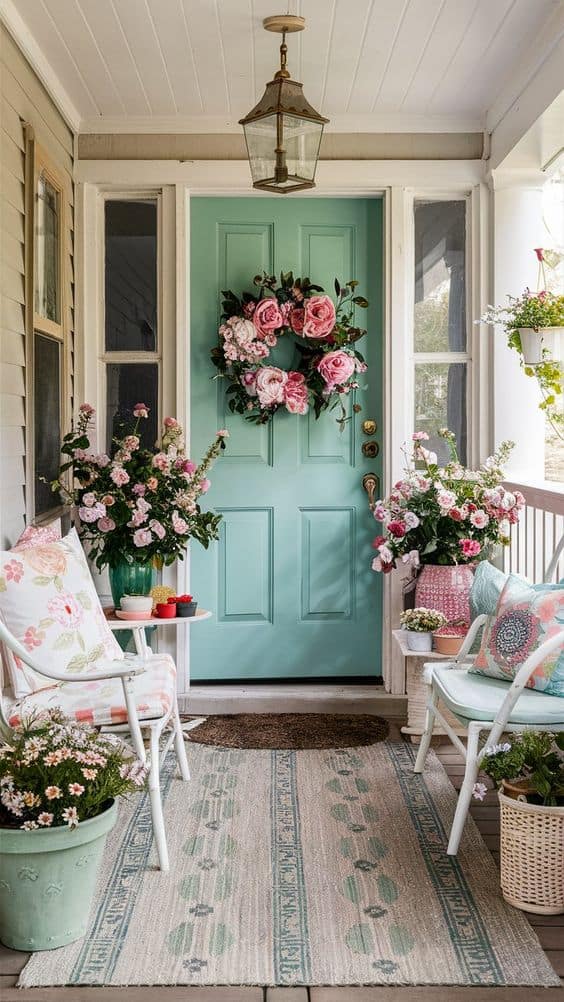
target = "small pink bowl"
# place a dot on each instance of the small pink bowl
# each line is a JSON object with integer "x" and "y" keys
{"x": 122, "y": 614}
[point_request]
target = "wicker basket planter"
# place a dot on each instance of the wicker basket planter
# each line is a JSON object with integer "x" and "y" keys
{"x": 532, "y": 856}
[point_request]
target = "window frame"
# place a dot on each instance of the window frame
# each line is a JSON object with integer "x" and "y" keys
{"x": 37, "y": 162}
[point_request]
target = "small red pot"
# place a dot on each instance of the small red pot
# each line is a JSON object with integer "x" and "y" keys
{"x": 166, "y": 610}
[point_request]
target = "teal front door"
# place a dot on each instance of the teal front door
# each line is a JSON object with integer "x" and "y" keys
{"x": 289, "y": 583}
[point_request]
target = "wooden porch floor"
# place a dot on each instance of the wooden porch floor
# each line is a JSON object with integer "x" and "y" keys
{"x": 549, "y": 929}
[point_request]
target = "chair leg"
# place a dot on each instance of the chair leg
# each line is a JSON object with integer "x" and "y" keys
{"x": 156, "y": 802}
{"x": 465, "y": 795}
{"x": 180, "y": 746}
{"x": 427, "y": 733}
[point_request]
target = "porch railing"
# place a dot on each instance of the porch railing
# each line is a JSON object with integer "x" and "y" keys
{"x": 535, "y": 538}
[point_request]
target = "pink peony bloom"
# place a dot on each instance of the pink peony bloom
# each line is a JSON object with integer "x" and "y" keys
{"x": 420, "y": 436}
{"x": 319, "y": 317}
{"x": 295, "y": 393}
{"x": 161, "y": 462}
{"x": 131, "y": 442}
{"x": 479, "y": 519}
{"x": 205, "y": 485}
{"x": 267, "y": 317}
{"x": 119, "y": 476}
{"x": 379, "y": 512}
{"x": 158, "y": 528}
{"x": 397, "y": 528}
{"x": 141, "y": 411}
{"x": 139, "y": 489}
{"x": 179, "y": 524}
{"x": 377, "y": 542}
{"x": 91, "y": 514}
{"x": 470, "y": 547}
{"x": 142, "y": 537}
{"x": 106, "y": 524}
{"x": 446, "y": 500}
{"x": 297, "y": 319}
{"x": 138, "y": 518}
{"x": 335, "y": 368}
{"x": 270, "y": 385}
{"x": 411, "y": 519}
{"x": 249, "y": 381}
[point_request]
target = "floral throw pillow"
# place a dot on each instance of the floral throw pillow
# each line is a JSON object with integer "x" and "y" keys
{"x": 48, "y": 601}
{"x": 525, "y": 617}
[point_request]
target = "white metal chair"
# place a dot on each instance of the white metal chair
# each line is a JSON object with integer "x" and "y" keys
{"x": 487, "y": 704}
{"x": 128, "y": 697}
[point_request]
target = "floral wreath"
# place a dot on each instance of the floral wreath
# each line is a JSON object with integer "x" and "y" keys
{"x": 324, "y": 334}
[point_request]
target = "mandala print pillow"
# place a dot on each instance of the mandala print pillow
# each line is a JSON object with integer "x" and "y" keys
{"x": 525, "y": 617}
{"x": 48, "y": 601}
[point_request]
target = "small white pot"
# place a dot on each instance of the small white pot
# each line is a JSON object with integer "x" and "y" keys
{"x": 137, "y": 603}
{"x": 418, "y": 641}
{"x": 534, "y": 342}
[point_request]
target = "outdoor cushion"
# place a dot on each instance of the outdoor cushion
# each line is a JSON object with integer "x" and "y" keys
{"x": 471, "y": 697}
{"x": 48, "y": 601}
{"x": 525, "y": 617}
{"x": 102, "y": 702}
{"x": 487, "y": 586}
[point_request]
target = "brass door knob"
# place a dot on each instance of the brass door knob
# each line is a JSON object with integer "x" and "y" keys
{"x": 369, "y": 426}
{"x": 371, "y": 485}
{"x": 370, "y": 449}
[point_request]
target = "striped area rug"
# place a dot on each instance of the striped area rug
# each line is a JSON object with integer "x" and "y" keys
{"x": 293, "y": 868}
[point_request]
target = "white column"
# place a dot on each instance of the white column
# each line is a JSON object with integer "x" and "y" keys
{"x": 517, "y": 230}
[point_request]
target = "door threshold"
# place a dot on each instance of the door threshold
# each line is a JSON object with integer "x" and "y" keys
{"x": 292, "y": 698}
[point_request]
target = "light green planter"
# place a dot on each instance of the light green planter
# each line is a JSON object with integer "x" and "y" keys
{"x": 47, "y": 881}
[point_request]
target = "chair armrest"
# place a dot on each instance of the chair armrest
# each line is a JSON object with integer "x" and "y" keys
{"x": 470, "y": 637}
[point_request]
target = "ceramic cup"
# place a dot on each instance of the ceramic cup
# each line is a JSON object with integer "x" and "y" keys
{"x": 166, "y": 610}
{"x": 137, "y": 603}
{"x": 186, "y": 609}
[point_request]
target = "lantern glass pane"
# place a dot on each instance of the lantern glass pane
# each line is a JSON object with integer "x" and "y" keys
{"x": 301, "y": 141}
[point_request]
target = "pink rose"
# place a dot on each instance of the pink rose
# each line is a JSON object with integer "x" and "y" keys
{"x": 297, "y": 318}
{"x": 131, "y": 442}
{"x": 119, "y": 476}
{"x": 106, "y": 524}
{"x": 170, "y": 422}
{"x": 188, "y": 467}
{"x": 267, "y": 317}
{"x": 270, "y": 385}
{"x": 158, "y": 528}
{"x": 295, "y": 393}
{"x": 161, "y": 462}
{"x": 141, "y": 410}
{"x": 142, "y": 537}
{"x": 470, "y": 547}
{"x": 335, "y": 368}
{"x": 179, "y": 524}
{"x": 420, "y": 436}
{"x": 87, "y": 410}
{"x": 397, "y": 528}
{"x": 249, "y": 381}
{"x": 139, "y": 489}
{"x": 319, "y": 317}
{"x": 205, "y": 485}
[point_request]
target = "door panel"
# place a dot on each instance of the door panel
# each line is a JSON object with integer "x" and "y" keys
{"x": 289, "y": 581}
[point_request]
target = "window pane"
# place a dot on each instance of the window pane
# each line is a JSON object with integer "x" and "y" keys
{"x": 440, "y": 402}
{"x": 46, "y": 419}
{"x": 47, "y": 210}
{"x": 131, "y": 276}
{"x": 127, "y": 385}
{"x": 440, "y": 295}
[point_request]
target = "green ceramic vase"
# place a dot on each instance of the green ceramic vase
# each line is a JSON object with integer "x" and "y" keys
{"x": 47, "y": 881}
{"x": 130, "y": 578}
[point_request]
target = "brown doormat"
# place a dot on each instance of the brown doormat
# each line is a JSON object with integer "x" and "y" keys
{"x": 290, "y": 730}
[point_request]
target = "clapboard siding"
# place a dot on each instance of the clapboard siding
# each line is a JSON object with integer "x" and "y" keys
{"x": 23, "y": 99}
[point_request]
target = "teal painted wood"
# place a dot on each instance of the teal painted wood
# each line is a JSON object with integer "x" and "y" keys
{"x": 289, "y": 582}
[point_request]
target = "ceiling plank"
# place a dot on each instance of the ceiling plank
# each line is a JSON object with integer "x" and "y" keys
{"x": 105, "y": 26}
{"x": 444, "y": 44}
{"x": 178, "y": 52}
{"x": 203, "y": 29}
{"x": 411, "y": 39}
{"x": 137, "y": 24}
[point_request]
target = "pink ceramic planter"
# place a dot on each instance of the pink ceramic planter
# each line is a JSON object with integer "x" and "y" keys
{"x": 446, "y": 589}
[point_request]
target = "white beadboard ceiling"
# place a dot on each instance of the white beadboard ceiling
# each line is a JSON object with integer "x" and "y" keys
{"x": 199, "y": 65}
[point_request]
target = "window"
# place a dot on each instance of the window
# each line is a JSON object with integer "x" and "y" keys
{"x": 46, "y": 340}
{"x": 132, "y": 350}
{"x": 440, "y": 332}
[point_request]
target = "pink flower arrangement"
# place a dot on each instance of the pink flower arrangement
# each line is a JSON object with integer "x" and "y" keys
{"x": 153, "y": 496}
{"x": 325, "y": 336}
{"x": 444, "y": 515}
{"x": 43, "y": 781}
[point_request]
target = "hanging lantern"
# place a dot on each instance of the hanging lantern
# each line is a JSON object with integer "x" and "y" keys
{"x": 283, "y": 132}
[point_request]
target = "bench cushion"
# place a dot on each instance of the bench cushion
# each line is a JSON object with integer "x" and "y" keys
{"x": 475, "y": 697}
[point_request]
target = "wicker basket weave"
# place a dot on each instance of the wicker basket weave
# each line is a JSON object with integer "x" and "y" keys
{"x": 532, "y": 856}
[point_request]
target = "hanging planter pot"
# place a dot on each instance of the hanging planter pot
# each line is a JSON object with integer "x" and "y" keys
{"x": 534, "y": 342}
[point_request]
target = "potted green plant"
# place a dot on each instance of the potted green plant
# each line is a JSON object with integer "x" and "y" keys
{"x": 59, "y": 783}
{"x": 419, "y": 625}
{"x": 529, "y": 771}
{"x": 534, "y": 325}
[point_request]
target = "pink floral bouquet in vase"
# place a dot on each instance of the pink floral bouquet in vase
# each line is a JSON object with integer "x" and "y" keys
{"x": 326, "y": 364}
{"x": 138, "y": 503}
{"x": 445, "y": 516}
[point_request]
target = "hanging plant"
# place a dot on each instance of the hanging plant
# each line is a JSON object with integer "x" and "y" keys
{"x": 324, "y": 334}
{"x": 533, "y": 322}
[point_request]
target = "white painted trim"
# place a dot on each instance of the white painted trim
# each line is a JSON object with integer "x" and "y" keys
{"x": 38, "y": 62}
{"x": 395, "y": 122}
{"x": 534, "y": 83}
{"x": 480, "y": 336}
{"x": 182, "y": 394}
{"x": 356, "y": 178}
